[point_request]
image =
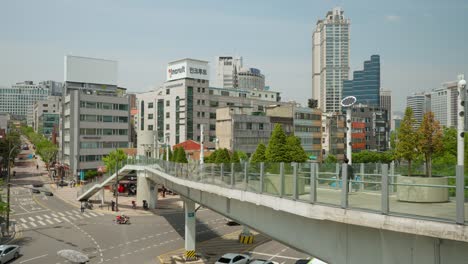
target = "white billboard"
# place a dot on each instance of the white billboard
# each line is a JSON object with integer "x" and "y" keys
{"x": 90, "y": 70}
{"x": 187, "y": 69}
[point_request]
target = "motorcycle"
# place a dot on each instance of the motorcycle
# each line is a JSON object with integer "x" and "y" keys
{"x": 122, "y": 219}
{"x": 88, "y": 205}
{"x": 133, "y": 205}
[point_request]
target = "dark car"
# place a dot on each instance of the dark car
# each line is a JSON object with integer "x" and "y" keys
{"x": 35, "y": 191}
{"x": 38, "y": 185}
{"x": 48, "y": 193}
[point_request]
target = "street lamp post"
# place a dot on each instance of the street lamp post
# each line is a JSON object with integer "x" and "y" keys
{"x": 167, "y": 147}
{"x": 348, "y": 102}
{"x": 460, "y": 175}
{"x": 202, "y": 139}
{"x": 8, "y": 192}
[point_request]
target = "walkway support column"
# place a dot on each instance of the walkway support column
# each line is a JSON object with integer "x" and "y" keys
{"x": 190, "y": 232}
{"x": 146, "y": 190}
{"x": 246, "y": 237}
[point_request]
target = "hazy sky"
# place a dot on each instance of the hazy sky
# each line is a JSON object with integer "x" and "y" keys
{"x": 422, "y": 43}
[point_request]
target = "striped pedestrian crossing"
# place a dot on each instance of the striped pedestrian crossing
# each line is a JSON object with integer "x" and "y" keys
{"x": 43, "y": 220}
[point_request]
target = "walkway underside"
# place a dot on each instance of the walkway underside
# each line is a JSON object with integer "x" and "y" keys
{"x": 334, "y": 235}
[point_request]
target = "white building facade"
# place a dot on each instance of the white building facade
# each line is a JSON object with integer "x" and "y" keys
{"x": 330, "y": 60}
{"x": 96, "y": 116}
{"x": 227, "y": 68}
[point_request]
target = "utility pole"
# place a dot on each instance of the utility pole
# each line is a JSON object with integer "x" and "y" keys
{"x": 8, "y": 190}
{"x": 116, "y": 186}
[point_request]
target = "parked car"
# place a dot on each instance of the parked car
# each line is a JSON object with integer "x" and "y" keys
{"x": 49, "y": 193}
{"x": 231, "y": 222}
{"x": 233, "y": 258}
{"x": 40, "y": 184}
{"x": 310, "y": 261}
{"x": 35, "y": 191}
{"x": 9, "y": 252}
{"x": 262, "y": 261}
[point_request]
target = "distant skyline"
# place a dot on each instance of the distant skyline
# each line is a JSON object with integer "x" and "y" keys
{"x": 421, "y": 43}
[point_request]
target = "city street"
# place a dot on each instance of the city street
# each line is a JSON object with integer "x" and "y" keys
{"x": 47, "y": 224}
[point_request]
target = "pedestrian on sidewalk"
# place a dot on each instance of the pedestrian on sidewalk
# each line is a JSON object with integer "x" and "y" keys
{"x": 82, "y": 208}
{"x": 163, "y": 191}
{"x": 113, "y": 205}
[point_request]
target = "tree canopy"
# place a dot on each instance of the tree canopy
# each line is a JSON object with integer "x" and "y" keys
{"x": 114, "y": 158}
{"x": 277, "y": 151}
{"x": 259, "y": 154}
{"x": 408, "y": 139}
{"x": 430, "y": 139}
{"x": 295, "y": 152}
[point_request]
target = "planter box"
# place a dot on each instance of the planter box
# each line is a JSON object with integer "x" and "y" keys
{"x": 419, "y": 194}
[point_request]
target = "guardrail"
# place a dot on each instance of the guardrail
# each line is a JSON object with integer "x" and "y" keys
{"x": 375, "y": 187}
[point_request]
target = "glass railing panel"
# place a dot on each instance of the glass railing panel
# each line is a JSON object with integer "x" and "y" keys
{"x": 419, "y": 195}
{"x": 303, "y": 181}
{"x": 239, "y": 179}
{"x": 253, "y": 177}
{"x": 328, "y": 184}
{"x": 272, "y": 179}
{"x": 364, "y": 188}
{"x": 226, "y": 176}
{"x": 288, "y": 180}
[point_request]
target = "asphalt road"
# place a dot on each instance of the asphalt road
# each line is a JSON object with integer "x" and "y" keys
{"x": 49, "y": 224}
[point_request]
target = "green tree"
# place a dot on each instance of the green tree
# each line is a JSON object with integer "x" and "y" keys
{"x": 12, "y": 140}
{"x": 277, "y": 150}
{"x": 295, "y": 152}
{"x": 170, "y": 154}
{"x": 430, "y": 139}
{"x": 235, "y": 157}
{"x": 212, "y": 157}
{"x": 180, "y": 155}
{"x": 330, "y": 159}
{"x": 115, "y": 157}
{"x": 222, "y": 156}
{"x": 408, "y": 139}
{"x": 259, "y": 154}
{"x": 242, "y": 155}
{"x": 47, "y": 150}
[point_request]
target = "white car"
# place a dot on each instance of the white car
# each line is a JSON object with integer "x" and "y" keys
{"x": 9, "y": 252}
{"x": 262, "y": 261}
{"x": 233, "y": 258}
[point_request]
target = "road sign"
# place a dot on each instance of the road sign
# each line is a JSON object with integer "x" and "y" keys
{"x": 191, "y": 214}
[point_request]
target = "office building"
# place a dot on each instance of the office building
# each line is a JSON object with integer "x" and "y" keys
{"x": 227, "y": 68}
{"x": 365, "y": 85}
{"x": 377, "y": 126}
{"x": 18, "y": 100}
{"x": 241, "y": 128}
{"x": 96, "y": 117}
{"x": 330, "y": 60}
{"x": 4, "y": 120}
{"x": 358, "y": 134}
{"x": 251, "y": 79}
{"x": 55, "y": 88}
{"x": 386, "y": 103}
{"x": 176, "y": 111}
{"x": 333, "y": 135}
{"x": 420, "y": 103}
{"x": 46, "y": 115}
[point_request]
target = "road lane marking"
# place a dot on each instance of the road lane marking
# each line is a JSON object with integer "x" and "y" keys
{"x": 91, "y": 214}
{"x": 24, "y": 225}
{"x": 86, "y": 215}
{"x": 79, "y": 216}
{"x": 46, "y": 216}
{"x": 72, "y": 218}
{"x": 39, "y": 217}
{"x": 50, "y": 222}
{"x": 42, "y": 223}
{"x": 33, "y": 224}
{"x": 58, "y": 220}
{"x": 270, "y": 255}
{"x": 60, "y": 214}
{"x": 35, "y": 211}
{"x": 22, "y": 220}
{"x": 66, "y": 219}
{"x": 54, "y": 215}
{"x": 24, "y": 261}
{"x": 32, "y": 219}
{"x": 68, "y": 213}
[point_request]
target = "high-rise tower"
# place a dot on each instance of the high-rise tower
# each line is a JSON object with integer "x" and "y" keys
{"x": 330, "y": 59}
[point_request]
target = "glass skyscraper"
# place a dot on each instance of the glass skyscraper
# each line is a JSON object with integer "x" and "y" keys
{"x": 365, "y": 85}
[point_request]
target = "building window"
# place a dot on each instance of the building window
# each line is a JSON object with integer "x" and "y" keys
{"x": 168, "y": 103}
{"x": 167, "y": 114}
{"x": 168, "y": 91}
{"x": 198, "y": 89}
{"x": 203, "y": 89}
{"x": 198, "y": 102}
{"x": 212, "y": 127}
{"x": 224, "y": 93}
{"x": 150, "y": 105}
{"x": 203, "y": 102}
{"x": 212, "y": 115}
{"x": 150, "y": 116}
{"x": 167, "y": 127}
{"x": 260, "y": 126}
{"x": 150, "y": 127}
{"x": 249, "y": 126}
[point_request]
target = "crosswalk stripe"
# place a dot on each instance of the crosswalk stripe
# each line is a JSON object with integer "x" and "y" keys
{"x": 22, "y": 220}
{"x": 68, "y": 213}
{"x": 40, "y": 222}
{"x": 39, "y": 217}
{"x": 60, "y": 214}
{"x": 92, "y": 214}
{"x": 72, "y": 218}
{"x": 24, "y": 226}
{"x": 33, "y": 224}
{"x": 86, "y": 215}
{"x": 54, "y": 215}
{"x": 46, "y": 216}
{"x": 101, "y": 214}
{"x": 32, "y": 219}
{"x": 66, "y": 219}
{"x": 79, "y": 216}
{"x": 57, "y": 220}
{"x": 50, "y": 222}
